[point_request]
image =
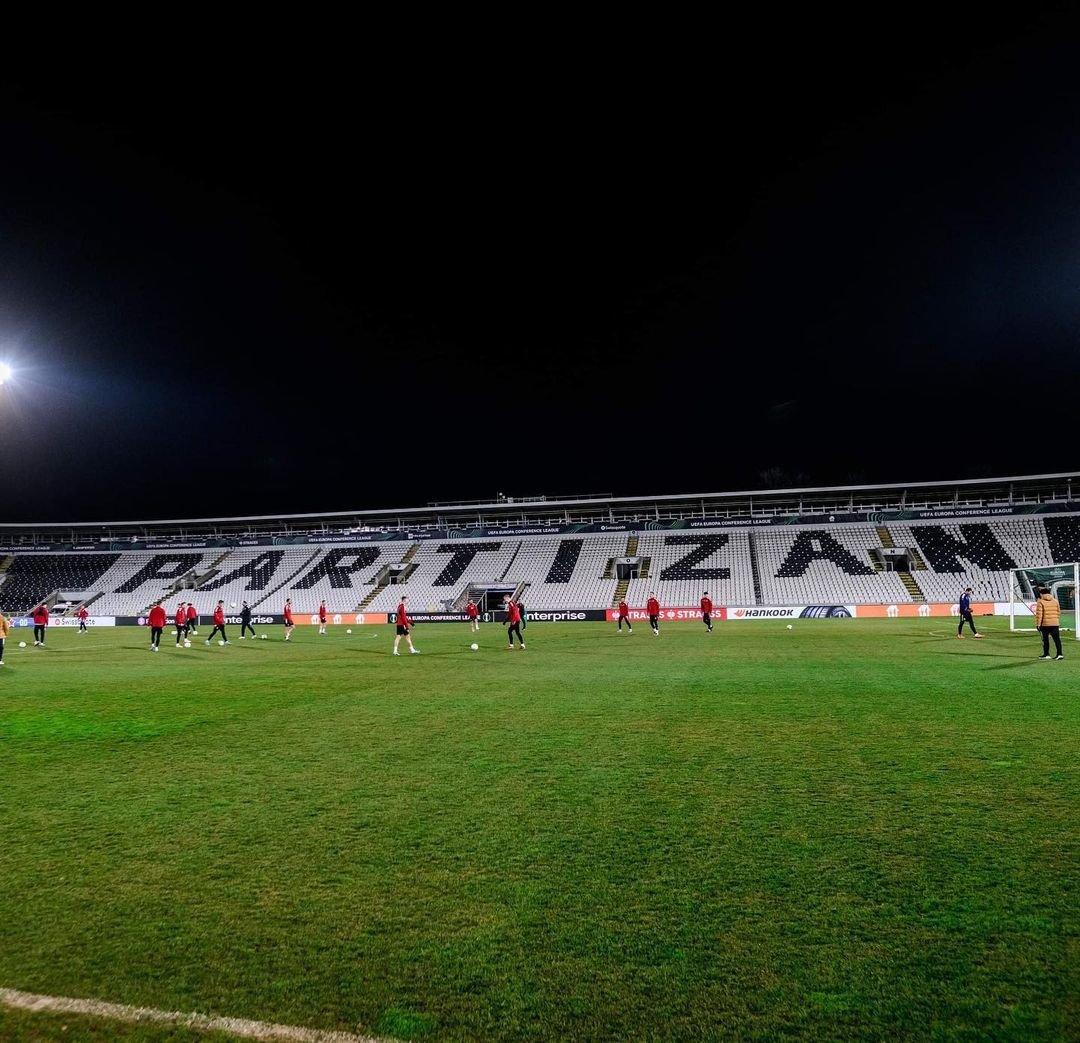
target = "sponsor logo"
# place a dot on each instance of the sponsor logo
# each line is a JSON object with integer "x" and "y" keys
{"x": 236, "y": 620}
{"x": 673, "y": 614}
{"x": 766, "y": 613}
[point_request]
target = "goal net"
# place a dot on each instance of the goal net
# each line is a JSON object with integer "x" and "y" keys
{"x": 1025, "y": 586}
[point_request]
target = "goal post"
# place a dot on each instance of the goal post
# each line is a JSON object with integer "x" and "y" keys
{"x": 1024, "y": 587}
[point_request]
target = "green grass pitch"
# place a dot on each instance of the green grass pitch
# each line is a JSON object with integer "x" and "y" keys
{"x": 847, "y": 831}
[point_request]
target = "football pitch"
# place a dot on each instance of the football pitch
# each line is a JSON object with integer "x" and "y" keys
{"x": 852, "y": 830}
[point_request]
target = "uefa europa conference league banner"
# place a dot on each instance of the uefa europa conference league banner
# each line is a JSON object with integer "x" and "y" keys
{"x": 577, "y": 529}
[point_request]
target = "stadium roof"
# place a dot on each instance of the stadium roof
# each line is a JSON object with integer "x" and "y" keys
{"x": 1018, "y": 488}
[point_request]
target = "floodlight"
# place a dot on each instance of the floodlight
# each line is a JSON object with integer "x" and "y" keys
{"x": 5, "y": 372}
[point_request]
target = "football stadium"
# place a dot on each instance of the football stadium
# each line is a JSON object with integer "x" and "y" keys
{"x": 545, "y": 528}
{"x": 822, "y": 816}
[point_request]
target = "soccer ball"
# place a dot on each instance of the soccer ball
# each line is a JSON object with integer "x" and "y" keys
{"x": 232, "y": 604}
{"x": 475, "y": 647}
{"x": 348, "y": 631}
{"x": 789, "y": 626}
{"x": 22, "y": 644}
{"x": 263, "y": 637}
{"x": 187, "y": 643}
{"x": 220, "y": 642}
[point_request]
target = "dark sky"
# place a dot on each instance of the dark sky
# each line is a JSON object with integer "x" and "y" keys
{"x": 714, "y": 257}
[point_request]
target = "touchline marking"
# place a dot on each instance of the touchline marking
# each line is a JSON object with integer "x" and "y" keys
{"x": 202, "y": 1022}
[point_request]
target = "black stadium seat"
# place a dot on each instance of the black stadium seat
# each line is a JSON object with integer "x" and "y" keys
{"x": 33, "y": 577}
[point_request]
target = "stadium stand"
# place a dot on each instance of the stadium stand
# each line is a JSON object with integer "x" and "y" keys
{"x": 32, "y": 578}
{"x": 247, "y": 574}
{"x": 343, "y": 576}
{"x": 682, "y": 565}
{"x": 801, "y": 566}
{"x": 567, "y": 573}
{"x": 1063, "y": 538}
{"x": 969, "y": 555}
{"x": 139, "y": 579}
{"x": 444, "y": 569}
{"x": 810, "y": 565}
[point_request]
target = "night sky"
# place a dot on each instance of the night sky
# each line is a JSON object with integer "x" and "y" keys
{"x": 682, "y": 261}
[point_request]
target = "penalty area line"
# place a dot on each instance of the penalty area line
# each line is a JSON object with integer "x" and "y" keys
{"x": 241, "y": 1027}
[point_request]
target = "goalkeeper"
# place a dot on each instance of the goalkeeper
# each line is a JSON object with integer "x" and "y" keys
{"x": 965, "y": 615}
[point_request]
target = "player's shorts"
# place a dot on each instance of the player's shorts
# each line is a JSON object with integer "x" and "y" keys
{"x": 402, "y": 631}
{"x": 322, "y": 620}
{"x": 289, "y": 624}
{"x": 653, "y": 620}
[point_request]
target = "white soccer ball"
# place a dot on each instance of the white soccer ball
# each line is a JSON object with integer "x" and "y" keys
{"x": 263, "y": 637}
{"x": 348, "y": 631}
{"x": 22, "y": 644}
{"x": 789, "y": 626}
{"x": 187, "y": 644}
{"x": 475, "y": 647}
{"x": 232, "y": 604}
{"x": 220, "y": 642}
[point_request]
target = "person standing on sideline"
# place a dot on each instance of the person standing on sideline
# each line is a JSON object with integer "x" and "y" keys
{"x": 192, "y": 626}
{"x": 219, "y": 624}
{"x": 965, "y": 615}
{"x": 4, "y": 627}
{"x": 245, "y": 621}
{"x": 287, "y": 618}
{"x": 473, "y": 613}
{"x": 156, "y": 621}
{"x": 403, "y": 626}
{"x": 322, "y": 617}
{"x": 652, "y": 606}
{"x": 513, "y": 622}
{"x": 624, "y": 616}
{"x": 83, "y": 616}
{"x": 41, "y": 621}
{"x": 1048, "y": 622}
{"x": 180, "y": 619}
{"x": 706, "y": 611}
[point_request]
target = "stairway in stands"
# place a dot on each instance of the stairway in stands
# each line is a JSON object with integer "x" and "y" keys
{"x": 905, "y": 577}
{"x": 406, "y": 559}
{"x": 755, "y": 569}
{"x": 912, "y": 587}
{"x": 624, "y": 584}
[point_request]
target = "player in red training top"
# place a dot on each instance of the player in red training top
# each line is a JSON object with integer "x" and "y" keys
{"x": 219, "y": 624}
{"x": 192, "y": 625}
{"x": 652, "y": 606}
{"x": 403, "y": 626}
{"x": 474, "y": 615}
{"x": 41, "y": 621}
{"x": 322, "y": 617}
{"x": 513, "y": 622}
{"x": 287, "y": 618}
{"x": 706, "y": 611}
{"x": 83, "y": 617}
{"x": 180, "y": 619}
{"x": 624, "y": 617}
{"x": 156, "y": 621}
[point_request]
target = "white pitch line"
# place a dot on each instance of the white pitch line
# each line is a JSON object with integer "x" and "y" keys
{"x": 202, "y": 1022}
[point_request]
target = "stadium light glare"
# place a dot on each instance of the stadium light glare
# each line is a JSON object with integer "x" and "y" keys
{"x": 5, "y": 372}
